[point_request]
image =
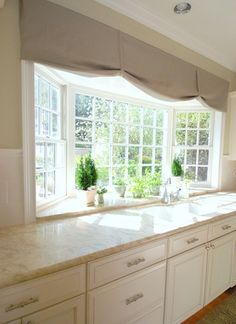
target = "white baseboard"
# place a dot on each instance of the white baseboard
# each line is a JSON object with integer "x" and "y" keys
{"x": 11, "y": 187}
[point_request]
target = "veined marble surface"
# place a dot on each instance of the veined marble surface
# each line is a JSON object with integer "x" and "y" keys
{"x": 31, "y": 251}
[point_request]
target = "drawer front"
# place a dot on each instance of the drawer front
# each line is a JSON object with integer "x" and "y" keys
{"x": 122, "y": 301}
{"x": 116, "y": 266}
{"x": 222, "y": 227}
{"x": 187, "y": 240}
{"x": 71, "y": 311}
{"x": 153, "y": 316}
{"x": 18, "y": 300}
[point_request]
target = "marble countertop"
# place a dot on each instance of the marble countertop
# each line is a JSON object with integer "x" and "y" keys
{"x": 31, "y": 251}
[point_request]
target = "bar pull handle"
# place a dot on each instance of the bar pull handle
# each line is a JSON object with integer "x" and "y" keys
{"x": 135, "y": 262}
{"x": 22, "y": 304}
{"x": 225, "y": 227}
{"x": 192, "y": 240}
{"x": 134, "y": 298}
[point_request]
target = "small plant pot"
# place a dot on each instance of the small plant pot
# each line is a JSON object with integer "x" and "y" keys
{"x": 100, "y": 199}
{"x": 120, "y": 190}
{"x": 87, "y": 197}
{"x": 176, "y": 182}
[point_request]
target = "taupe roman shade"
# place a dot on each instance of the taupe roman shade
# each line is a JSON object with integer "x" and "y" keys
{"x": 57, "y": 36}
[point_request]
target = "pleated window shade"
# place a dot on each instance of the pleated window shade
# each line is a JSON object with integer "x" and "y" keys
{"x": 54, "y": 35}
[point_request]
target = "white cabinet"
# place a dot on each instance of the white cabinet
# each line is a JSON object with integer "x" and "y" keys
{"x": 138, "y": 298}
{"x": 185, "y": 284}
{"x": 220, "y": 266}
{"x": 68, "y": 312}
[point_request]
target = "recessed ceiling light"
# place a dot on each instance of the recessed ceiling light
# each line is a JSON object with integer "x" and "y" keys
{"x": 182, "y": 8}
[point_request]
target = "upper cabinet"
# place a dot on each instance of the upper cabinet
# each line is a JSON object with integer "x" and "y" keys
{"x": 232, "y": 126}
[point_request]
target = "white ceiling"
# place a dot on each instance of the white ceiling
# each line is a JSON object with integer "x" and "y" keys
{"x": 209, "y": 29}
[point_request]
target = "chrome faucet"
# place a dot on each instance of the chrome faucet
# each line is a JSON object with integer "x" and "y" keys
{"x": 166, "y": 195}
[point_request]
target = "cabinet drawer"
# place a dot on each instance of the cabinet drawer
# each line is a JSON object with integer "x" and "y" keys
{"x": 222, "y": 227}
{"x": 25, "y": 298}
{"x": 187, "y": 240}
{"x": 128, "y": 298}
{"x": 116, "y": 266}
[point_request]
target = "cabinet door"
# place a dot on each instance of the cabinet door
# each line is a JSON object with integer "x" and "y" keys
{"x": 128, "y": 300}
{"x": 234, "y": 265}
{"x": 220, "y": 266}
{"x": 185, "y": 284}
{"x": 68, "y": 312}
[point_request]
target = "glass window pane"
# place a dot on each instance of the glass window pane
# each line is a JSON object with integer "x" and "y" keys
{"x": 181, "y": 119}
{"x": 192, "y": 120}
{"x": 147, "y": 136}
{"x": 203, "y": 157}
{"x": 101, "y": 132}
{"x": 40, "y": 156}
{"x": 134, "y": 113}
{"x": 119, "y": 111}
{"x": 148, "y": 116}
{"x": 50, "y": 183}
{"x": 205, "y": 120}
{"x": 180, "y": 137}
{"x": 203, "y": 137}
{"x": 60, "y": 155}
{"x": 50, "y": 163}
{"x": 191, "y": 170}
{"x": 191, "y": 137}
{"x": 102, "y": 109}
{"x": 44, "y": 94}
{"x": 147, "y": 155}
{"x": 119, "y": 134}
{"x": 118, "y": 172}
{"x": 202, "y": 174}
{"x": 158, "y": 156}
{"x": 133, "y": 154}
{"x": 45, "y": 123}
{"x": 118, "y": 156}
{"x": 83, "y": 130}
{"x": 55, "y": 125}
{"x": 54, "y": 99}
{"x": 83, "y": 106}
{"x": 191, "y": 157}
{"x": 82, "y": 149}
{"x": 37, "y": 121}
{"x": 103, "y": 176}
{"x": 36, "y": 90}
{"x": 40, "y": 185}
{"x": 146, "y": 169}
{"x": 134, "y": 135}
{"x": 159, "y": 137}
{"x": 160, "y": 119}
{"x": 101, "y": 154}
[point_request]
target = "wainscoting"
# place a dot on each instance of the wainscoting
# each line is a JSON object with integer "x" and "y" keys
{"x": 11, "y": 187}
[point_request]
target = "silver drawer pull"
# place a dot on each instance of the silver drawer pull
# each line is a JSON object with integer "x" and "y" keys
{"x": 22, "y": 304}
{"x": 192, "y": 240}
{"x": 135, "y": 262}
{"x": 134, "y": 298}
{"x": 225, "y": 227}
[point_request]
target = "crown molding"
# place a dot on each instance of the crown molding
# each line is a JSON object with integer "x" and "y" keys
{"x": 2, "y": 3}
{"x": 157, "y": 23}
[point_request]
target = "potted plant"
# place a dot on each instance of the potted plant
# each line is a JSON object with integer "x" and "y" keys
{"x": 177, "y": 172}
{"x": 153, "y": 182}
{"x": 139, "y": 187}
{"x": 119, "y": 185}
{"x": 86, "y": 179}
{"x": 100, "y": 192}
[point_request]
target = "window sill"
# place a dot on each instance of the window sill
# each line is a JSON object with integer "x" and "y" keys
{"x": 72, "y": 207}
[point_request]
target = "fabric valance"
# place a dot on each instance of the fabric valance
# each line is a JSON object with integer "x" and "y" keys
{"x": 54, "y": 35}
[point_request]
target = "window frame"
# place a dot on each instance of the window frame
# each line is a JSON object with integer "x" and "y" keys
{"x": 212, "y": 130}
{"x": 75, "y": 89}
{"x": 61, "y": 139}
